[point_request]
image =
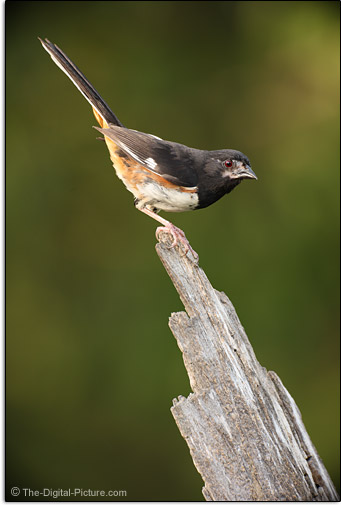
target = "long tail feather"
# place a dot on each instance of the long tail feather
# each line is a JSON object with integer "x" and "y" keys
{"x": 102, "y": 111}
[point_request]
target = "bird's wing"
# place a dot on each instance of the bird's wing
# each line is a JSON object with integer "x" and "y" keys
{"x": 174, "y": 162}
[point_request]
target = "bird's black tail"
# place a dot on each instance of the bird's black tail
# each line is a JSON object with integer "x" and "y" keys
{"x": 102, "y": 111}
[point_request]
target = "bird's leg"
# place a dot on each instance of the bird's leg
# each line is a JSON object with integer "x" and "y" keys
{"x": 177, "y": 234}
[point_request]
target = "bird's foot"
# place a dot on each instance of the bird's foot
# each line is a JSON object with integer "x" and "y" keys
{"x": 178, "y": 238}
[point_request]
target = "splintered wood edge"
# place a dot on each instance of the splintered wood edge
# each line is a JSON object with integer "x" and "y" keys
{"x": 190, "y": 280}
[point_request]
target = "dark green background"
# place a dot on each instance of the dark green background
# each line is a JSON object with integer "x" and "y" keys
{"x": 92, "y": 367}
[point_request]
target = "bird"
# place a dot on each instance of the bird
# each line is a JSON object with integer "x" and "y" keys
{"x": 162, "y": 175}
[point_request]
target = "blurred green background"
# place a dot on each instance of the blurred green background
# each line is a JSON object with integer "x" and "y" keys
{"x": 92, "y": 367}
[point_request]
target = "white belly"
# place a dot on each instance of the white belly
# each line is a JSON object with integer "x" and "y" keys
{"x": 167, "y": 199}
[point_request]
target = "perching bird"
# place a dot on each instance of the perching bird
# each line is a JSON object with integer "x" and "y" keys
{"x": 162, "y": 175}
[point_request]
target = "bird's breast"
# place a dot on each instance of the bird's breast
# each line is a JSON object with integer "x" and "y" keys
{"x": 167, "y": 197}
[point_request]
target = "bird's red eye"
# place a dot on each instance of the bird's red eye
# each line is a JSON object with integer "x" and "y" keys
{"x": 228, "y": 164}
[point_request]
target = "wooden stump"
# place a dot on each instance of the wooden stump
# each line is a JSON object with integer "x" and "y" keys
{"x": 243, "y": 428}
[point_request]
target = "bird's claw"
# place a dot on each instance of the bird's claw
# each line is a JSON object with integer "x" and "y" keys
{"x": 178, "y": 237}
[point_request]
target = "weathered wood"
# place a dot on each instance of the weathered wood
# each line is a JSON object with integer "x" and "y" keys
{"x": 243, "y": 428}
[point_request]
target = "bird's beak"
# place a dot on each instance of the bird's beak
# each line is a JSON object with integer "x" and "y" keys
{"x": 244, "y": 171}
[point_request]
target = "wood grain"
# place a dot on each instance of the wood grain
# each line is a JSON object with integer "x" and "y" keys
{"x": 243, "y": 429}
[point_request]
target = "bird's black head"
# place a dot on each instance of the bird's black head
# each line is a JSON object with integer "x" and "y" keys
{"x": 223, "y": 171}
{"x": 232, "y": 165}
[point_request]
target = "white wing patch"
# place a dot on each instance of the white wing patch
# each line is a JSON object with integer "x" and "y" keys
{"x": 151, "y": 163}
